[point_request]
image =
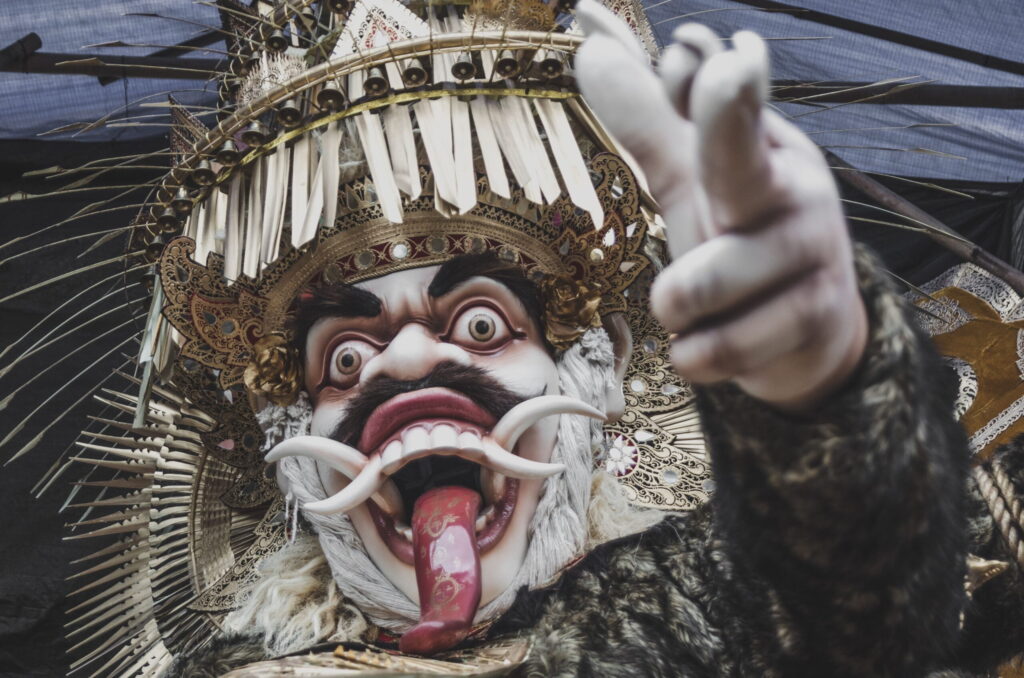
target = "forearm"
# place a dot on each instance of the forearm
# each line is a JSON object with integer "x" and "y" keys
{"x": 852, "y": 514}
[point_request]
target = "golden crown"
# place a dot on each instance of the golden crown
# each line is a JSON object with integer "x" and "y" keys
{"x": 395, "y": 140}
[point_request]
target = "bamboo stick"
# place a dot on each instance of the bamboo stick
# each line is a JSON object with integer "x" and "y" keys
{"x": 936, "y": 230}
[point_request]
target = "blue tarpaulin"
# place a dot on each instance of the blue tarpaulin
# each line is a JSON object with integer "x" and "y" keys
{"x": 963, "y": 142}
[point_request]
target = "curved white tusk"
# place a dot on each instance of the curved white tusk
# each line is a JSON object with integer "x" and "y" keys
{"x": 389, "y": 498}
{"x": 503, "y": 461}
{"x": 339, "y": 456}
{"x": 362, "y": 487}
{"x": 527, "y": 413}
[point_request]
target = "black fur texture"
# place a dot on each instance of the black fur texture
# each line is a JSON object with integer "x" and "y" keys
{"x": 222, "y": 654}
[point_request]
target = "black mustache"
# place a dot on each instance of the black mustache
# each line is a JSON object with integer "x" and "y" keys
{"x": 473, "y": 382}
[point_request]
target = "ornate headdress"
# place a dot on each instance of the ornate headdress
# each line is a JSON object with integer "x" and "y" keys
{"x": 354, "y": 139}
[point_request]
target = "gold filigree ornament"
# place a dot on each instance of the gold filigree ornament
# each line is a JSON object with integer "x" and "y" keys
{"x": 491, "y": 660}
{"x": 570, "y": 309}
{"x": 222, "y": 323}
{"x": 274, "y": 371}
{"x": 531, "y": 15}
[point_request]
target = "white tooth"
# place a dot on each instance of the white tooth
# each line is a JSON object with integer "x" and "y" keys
{"x": 414, "y": 440}
{"x": 518, "y": 467}
{"x": 524, "y": 415}
{"x": 342, "y": 458}
{"x": 470, "y": 446}
{"x": 485, "y": 518}
{"x": 369, "y": 481}
{"x": 392, "y": 457}
{"x": 470, "y": 440}
{"x": 444, "y": 436}
{"x": 493, "y": 485}
{"x": 404, "y": 530}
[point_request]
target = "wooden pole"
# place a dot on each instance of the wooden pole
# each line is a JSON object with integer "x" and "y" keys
{"x": 937, "y": 230}
{"x": 116, "y": 66}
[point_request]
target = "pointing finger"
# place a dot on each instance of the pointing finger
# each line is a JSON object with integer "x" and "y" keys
{"x": 595, "y": 18}
{"x": 726, "y": 103}
{"x": 693, "y": 45}
{"x": 632, "y": 104}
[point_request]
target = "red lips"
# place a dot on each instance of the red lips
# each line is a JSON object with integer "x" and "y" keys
{"x": 428, "y": 403}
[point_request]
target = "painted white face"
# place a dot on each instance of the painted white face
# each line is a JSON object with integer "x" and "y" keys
{"x": 417, "y": 383}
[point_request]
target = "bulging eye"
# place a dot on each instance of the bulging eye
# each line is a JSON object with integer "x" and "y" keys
{"x": 480, "y": 327}
{"x": 346, "y": 361}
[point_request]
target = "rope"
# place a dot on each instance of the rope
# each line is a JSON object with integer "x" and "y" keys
{"x": 1007, "y": 510}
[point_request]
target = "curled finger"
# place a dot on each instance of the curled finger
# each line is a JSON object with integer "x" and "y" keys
{"x": 735, "y": 269}
{"x": 692, "y": 45}
{"x": 793, "y": 318}
{"x": 726, "y": 106}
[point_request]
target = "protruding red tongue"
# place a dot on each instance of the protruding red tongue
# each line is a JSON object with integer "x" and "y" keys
{"x": 447, "y": 568}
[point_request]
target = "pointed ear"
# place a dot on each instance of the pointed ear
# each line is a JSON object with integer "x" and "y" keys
{"x": 622, "y": 346}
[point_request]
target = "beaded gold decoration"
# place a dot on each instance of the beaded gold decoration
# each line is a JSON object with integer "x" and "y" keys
{"x": 222, "y": 323}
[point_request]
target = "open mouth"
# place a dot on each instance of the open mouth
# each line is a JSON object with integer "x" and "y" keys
{"x": 439, "y": 477}
{"x": 429, "y": 439}
{"x": 434, "y": 418}
{"x": 498, "y": 500}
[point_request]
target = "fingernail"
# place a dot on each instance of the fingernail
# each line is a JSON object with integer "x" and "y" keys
{"x": 698, "y": 38}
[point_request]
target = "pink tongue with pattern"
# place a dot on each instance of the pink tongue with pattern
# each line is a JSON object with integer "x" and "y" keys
{"x": 447, "y": 563}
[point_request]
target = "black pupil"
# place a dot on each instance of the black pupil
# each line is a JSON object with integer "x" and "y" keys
{"x": 347, "y": 360}
{"x": 482, "y": 326}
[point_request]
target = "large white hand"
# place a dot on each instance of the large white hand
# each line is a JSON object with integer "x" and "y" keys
{"x": 762, "y": 288}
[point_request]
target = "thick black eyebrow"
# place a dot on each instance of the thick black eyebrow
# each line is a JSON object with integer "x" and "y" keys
{"x": 455, "y": 272}
{"x": 339, "y": 300}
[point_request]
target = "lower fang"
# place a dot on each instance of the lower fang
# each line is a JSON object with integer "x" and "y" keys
{"x": 405, "y": 531}
{"x": 484, "y": 518}
{"x": 493, "y": 485}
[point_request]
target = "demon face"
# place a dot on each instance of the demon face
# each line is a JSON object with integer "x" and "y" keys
{"x": 431, "y": 391}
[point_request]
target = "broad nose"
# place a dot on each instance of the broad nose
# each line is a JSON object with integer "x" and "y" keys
{"x": 412, "y": 354}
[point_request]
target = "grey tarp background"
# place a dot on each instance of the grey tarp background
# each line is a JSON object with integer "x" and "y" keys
{"x": 980, "y": 150}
